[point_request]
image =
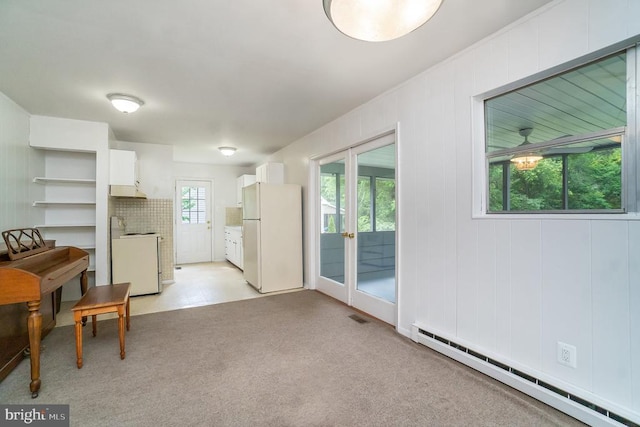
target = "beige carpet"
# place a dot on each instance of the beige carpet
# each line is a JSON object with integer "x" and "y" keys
{"x": 293, "y": 359}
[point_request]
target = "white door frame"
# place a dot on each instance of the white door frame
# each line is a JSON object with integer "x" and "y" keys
{"x": 177, "y": 204}
{"x": 347, "y": 293}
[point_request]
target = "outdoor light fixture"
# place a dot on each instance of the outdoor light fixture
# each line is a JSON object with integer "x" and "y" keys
{"x": 529, "y": 160}
{"x": 125, "y": 103}
{"x": 379, "y": 20}
{"x": 227, "y": 151}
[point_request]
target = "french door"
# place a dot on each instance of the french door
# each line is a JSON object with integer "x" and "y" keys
{"x": 357, "y": 227}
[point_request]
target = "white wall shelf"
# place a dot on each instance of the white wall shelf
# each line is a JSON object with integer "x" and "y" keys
{"x": 64, "y": 225}
{"x": 61, "y": 203}
{"x": 46, "y": 180}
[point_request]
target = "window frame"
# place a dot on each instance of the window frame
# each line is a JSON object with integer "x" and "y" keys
{"x": 630, "y": 153}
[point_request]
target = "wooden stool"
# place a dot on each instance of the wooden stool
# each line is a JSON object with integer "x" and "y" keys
{"x": 101, "y": 300}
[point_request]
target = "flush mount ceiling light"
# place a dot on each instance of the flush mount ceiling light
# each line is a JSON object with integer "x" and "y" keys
{"x": 125, "y": 103}
{"x": 379, "y": 20}
{"x": 227, "y": 151}
{"x": 529, "y": 160}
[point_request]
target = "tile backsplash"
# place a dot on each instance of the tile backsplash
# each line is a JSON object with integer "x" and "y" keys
{"x": 150, "y": 215}
{"x": 233, "y": 216}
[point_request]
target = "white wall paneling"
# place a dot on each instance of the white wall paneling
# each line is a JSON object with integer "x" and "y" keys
{"x": 566, "y": 298}
{"x": 522, "y": 42}
{"x": 611, "y": 310}
{"x": 486, "y": 311}
{"x": 563, "y": 33}
{"x": 409, "y": 192}
{"x": 605, "y": 22}
{"x": 634, "y": 313}
{"x": 503, "y": 289}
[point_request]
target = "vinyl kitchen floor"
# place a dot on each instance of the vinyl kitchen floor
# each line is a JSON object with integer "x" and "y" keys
{"x": 195, "y": 285}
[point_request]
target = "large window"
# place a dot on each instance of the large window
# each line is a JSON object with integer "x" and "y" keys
{"x": 557, "y": 145}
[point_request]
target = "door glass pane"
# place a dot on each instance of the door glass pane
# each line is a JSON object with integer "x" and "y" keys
{"x": 193, "y": 205}
{"x": 376, "y": 207}
{"x": 365, "y": 207}
{"x": 332, "y": 204}
{"x": 385, "y": 213}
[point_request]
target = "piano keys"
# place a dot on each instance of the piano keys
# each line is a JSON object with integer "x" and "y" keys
{"x": 33, "y": 280}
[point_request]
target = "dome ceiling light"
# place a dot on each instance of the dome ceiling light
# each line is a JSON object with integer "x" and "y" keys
{"x": 125, "y": 103}
{"x": 227, "y": 151}
{"x": 379, "y": 20}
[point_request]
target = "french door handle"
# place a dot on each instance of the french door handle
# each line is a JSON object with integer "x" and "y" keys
{"x": 349, "y": 235}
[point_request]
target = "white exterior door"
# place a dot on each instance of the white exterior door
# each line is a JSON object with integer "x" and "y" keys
{"x": 193, "y": 222}
{"x": 356, "y": 224}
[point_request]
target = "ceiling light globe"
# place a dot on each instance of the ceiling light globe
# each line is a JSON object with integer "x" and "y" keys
{"x": 227, "y": 151}
{"x": 125, "y": 103}
{"x": 379, "y": 20}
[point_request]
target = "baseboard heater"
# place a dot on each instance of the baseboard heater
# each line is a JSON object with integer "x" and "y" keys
{"x": 562, "y": 400}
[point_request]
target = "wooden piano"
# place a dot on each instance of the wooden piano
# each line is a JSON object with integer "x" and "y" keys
{"x": 31, "y": 273}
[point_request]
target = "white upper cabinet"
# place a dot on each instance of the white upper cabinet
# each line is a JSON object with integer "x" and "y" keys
{"x": 123, "y": 168}
{"x": 243, "y": 181}
{"x": 273, "y": 173}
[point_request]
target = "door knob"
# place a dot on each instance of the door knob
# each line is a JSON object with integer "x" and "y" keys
{"x": 349, "y": 235}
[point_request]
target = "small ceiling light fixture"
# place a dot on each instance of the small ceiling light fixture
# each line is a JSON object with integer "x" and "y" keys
{"x": 528, "y": 160}
{"x": 125, "y": 103}
{"x": 227, "y": 151}
{"x": 379, "y": 20}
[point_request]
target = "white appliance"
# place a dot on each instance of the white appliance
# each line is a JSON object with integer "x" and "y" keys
{"x": 135, "y": 259}
{"x": 272, "y": 236}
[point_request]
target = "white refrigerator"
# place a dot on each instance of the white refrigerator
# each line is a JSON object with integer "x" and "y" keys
{"x": 272, "y": 236}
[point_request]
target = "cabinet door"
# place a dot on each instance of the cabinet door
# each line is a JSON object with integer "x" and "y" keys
{"x": 123, "y": 167}
{"x": 261, "y": 173}
{"x": 227, "y": 245}
{"x": 272, "y": 173}
{"x": 243, "y": 181}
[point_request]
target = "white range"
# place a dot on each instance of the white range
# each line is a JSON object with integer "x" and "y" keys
{"x": 135, "y": 259}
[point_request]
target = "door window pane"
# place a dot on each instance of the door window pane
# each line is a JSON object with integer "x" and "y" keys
{"x": 194, "y": 205}
{"x": 376, "y": 195}
{"x": 332, "y": 214}
{"x": 365, "y": 212}
{"x": 385, "y": 211}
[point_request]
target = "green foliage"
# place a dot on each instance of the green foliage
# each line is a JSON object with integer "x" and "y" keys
{"x": 385, "y": 204}
{"x": 594, "y": 182}
{"x": 539, "y": 188}
{"x": 384, "y": 198}
{"x": 364, "y": 203}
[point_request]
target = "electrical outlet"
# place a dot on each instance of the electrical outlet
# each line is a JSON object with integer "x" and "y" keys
{"x": 567, "y": 355}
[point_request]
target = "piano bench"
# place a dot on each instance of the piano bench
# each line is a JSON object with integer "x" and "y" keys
{"x": 101, "y": 300}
